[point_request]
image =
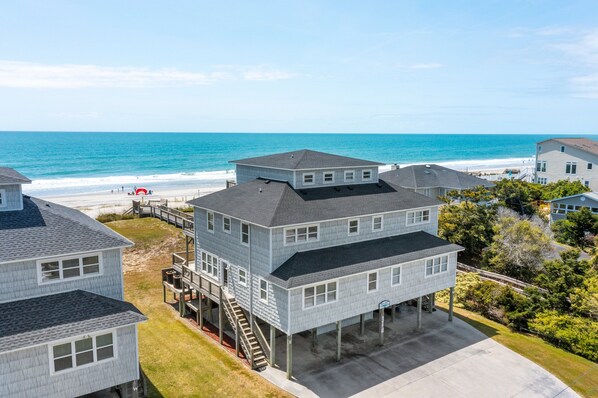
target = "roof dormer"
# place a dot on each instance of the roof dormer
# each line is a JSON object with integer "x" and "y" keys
{"x": 11, "y": 194}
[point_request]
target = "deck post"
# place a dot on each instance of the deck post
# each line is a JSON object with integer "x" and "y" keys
{"x": 433, "y": 301}
{"x": 289, "y": 356}
{"x": 272, "y": 345}
{"x": 361, "y": 324}
{"x": 210, "y": 310}
{"x": 220, "y": 316}
{"x": 430, "y": 302}
{"x": 237, "y": 336}
{"x": 200, "y": 315}
{"x": 338, "y": 340}
{"x": 164, "y": 291}
{"x": 419, "y": 312}
{"x": 451, "y": 299}
{"x": 392, "y": 312}
{"x": 314, "y": 338}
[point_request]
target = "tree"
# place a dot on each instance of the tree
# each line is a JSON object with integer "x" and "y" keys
{"x": 518, "y": 247}
{"x": 468, "y": 225}
{"x": 562, "y": 188}
{"x": 476, "y": 195}
{"x": 584, "y": 299}
{"x": 518, "y": 195}
{"x": 578, "y": 229}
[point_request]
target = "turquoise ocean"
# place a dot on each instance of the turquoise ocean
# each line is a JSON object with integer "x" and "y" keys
{"x": 71, "y": 163}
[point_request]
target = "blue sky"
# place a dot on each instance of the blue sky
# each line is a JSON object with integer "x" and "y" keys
{"x": 277, "y": 66}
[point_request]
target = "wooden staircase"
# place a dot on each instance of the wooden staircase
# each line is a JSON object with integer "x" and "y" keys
{"x": 248, "y": 340}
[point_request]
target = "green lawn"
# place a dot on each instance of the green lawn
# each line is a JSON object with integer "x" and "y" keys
{"x": 178, "y": 360}
{"x": 577, "y": 372}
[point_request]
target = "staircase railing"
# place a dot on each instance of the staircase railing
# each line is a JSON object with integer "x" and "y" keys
{"x": 257, "y": 331}
{"x": 234, "y": 321}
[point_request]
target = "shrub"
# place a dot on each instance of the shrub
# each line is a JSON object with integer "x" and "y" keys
{"x": 108, "y": 217}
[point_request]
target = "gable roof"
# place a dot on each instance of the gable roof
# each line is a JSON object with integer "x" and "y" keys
{"x": 590, "y": 195}
{"x": 40, "y": 320}
{"x": 11, "y": 176}
{"x": 274, "y": 203}
{"x": 303, "y": 160}
{"x": 583, "y": 144}
{"x": 313, "y": 266}
{"x": 45, "y": 229}
{"x": 432, "y": 176}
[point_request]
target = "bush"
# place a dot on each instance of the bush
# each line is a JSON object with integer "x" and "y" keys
{"x": 465, "y": 280}
{"x": 576, "y": 334}
{"x": 108, "y": 217}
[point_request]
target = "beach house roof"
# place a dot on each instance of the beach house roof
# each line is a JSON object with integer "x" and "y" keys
{"x": 304, "y": 159}
{"x": 583, "y": 144}
{"x": 11, "y": 176}
{"x": 313, "y": 266}
{"x": 40, "y": 320}
{"x": 590, "y": 195}
{"x": 44, "y": 229}
{"x": 272, "y": 203}
{"x": 432, "y": 176}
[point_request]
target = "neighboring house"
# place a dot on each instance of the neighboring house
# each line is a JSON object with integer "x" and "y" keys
{"x": 65, "y": 330}
{"x": 561, "y": 206}
{"x": 433, "y": 180}
{"x": 309, "y": 241}
{"x": 573, "y": 159}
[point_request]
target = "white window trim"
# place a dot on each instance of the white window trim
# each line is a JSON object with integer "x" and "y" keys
{"x": 421, "y": 222}
{"x": 284, "y": 236}
{"x": 371, "y": 175}
{"x": 313, "y": 178}
{"x": 230, "y": 224}
{"x": 381, "y": 223}
{"x": 448, "y": 263}
{"x": 571, "y": 164}
{"x": 73, "y": 354}
{"x": 3, "y": 196}
{"x": 562, "y": 149}
{"x": 347, "y": 172}
{"x": 400, "y": 275}
{"x": 349, "y": 233}
{"x": 367, "y": 282}
{"x": 248, "y": 234}
{"x": 61, "y": 259}
{"x": 239, "y": 276}
{"x": 260, "y": 280}
{"x": 324, "y": 177}
{"x": 199, "y": 265}
{"x": 208, "y": 221}
{"x": 590, "y": 166}
{"x": 303, "y": 288}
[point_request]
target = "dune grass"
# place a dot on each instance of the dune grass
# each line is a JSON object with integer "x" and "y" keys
{"x": 578, "y": 373}
{"x": 178, "y": 360}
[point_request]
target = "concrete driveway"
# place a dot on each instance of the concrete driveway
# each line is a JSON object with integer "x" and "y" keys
{"x": 444, "y": 359}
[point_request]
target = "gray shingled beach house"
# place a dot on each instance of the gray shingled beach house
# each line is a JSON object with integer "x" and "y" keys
{"x": 65, "y": 330}
{"x": 309, "y": 241}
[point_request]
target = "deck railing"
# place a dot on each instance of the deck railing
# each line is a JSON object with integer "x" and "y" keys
{"x": 516, "y": 284}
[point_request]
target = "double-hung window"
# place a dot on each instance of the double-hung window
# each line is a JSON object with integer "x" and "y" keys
{"x": 82, "y": 351}
{"x": 590, "y": 165}
{"x": 263, "y": 290}
{"x": 309, "y": 179}
{"x": 210, "y": 221}
{"x": 328, "y": 177}
{"x": 349, "y": 175}
{"x": 377, "y": 223}
{"x": 436, "y": 265}
{"x": 353, "y": 226}
{"x": 571, "y": 168}
{"x": 418, "y": 217}
{"x": 242, "y": 277}
{"x": 395, "y": 275}
{"x": 69, "y": 268}
{"x": 372, "y": 281}
{"x": 226, "y": 224}
{"x": 562, "y": 148}
{"x": 245, "y": 234}
{"x": 366, "y": 175}
{"x": 209, "y": 264}
{"x": 542, "y": 180}
{"x": 2, "y": 198}
{"x": 307, "y": 233}
{"x": 321, "y": 294}
{"x": 541, "y": 165}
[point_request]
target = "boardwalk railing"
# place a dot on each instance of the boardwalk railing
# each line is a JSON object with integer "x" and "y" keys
{"x": 516, "y": 284}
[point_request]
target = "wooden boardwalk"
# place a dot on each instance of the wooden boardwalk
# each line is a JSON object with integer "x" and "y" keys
{"x": 516, "y": 284}
{"x": 172, "y": 216}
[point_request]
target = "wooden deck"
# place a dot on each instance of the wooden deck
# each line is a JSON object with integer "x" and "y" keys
{"x": 172, "y": 216}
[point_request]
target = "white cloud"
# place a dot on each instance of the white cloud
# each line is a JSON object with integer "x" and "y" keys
{"x": 36, "y": 75}
{"x": 582, "y": 52}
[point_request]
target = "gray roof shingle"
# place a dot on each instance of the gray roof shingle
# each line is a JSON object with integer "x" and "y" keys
{"x": 313, "y": 266}
{"x": 40, "y": 320}
{"x": 11, "y": 176}
{"x": 275, "y": 203}
{"x": 45, "y": 229}
{"x": 432, "y": 176}
{"x": 305, "y": 159}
